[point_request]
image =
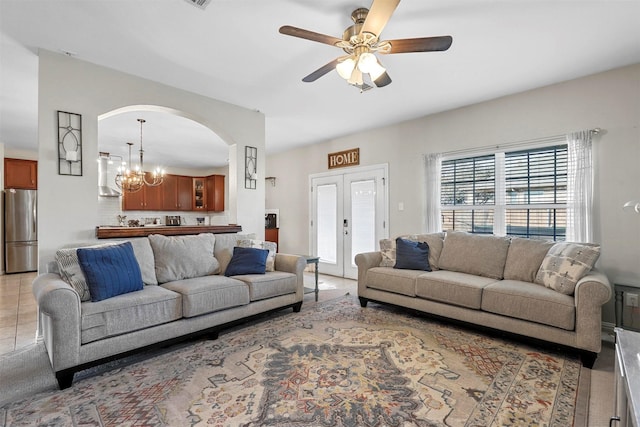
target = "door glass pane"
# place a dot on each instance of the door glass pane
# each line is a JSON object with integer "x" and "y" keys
{"x": 363, "y": 218}
{"x": 327, "y": 222}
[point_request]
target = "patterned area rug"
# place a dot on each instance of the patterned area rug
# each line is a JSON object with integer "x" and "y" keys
{"x": 334, "y": 364}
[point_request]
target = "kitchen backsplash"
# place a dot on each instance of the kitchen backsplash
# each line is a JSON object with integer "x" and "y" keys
{"x": 109, "y": 208}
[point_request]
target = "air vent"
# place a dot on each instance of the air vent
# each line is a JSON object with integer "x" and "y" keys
{"x": 202, "y": 4}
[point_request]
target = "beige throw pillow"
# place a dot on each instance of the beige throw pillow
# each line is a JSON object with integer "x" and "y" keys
{"x": 565, "y": 264}
{"x": 434, "y": 240}
{"x": 270, "y": 246}
{"x": 525, "y": 257}
{"x": 479, "y": 254}
{"x": 183, "y": 257}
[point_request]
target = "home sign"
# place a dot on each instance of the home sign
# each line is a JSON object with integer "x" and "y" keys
{"x": 344, "y": 158}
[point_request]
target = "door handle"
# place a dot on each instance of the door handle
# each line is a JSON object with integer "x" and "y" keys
{"x": 612, "y": 419}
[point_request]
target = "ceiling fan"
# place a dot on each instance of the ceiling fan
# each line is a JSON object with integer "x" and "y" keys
{"x": 361, "y": 41}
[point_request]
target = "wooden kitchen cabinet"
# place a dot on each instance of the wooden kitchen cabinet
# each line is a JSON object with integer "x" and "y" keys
{"x": 179, "y": 193}
{"x": 271, "y": 235}
{"x": 185, "y": 193}
{"x": 199, "y": 194}
{"x": 19, "y": 173}
{"x": 170, "y": 193}
{"x": 215, "y": 193}
{"x": 146, "y": 199}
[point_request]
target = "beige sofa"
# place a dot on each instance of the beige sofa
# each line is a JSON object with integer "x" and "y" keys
{"x": 491, "y": 281}
{"x": 185, "y": 294}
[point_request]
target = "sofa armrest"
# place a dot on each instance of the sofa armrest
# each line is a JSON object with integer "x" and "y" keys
{"x": 364, "y": 262}
{"x": 591, "y": 293}
{"x": 292, "y": 264}
{"x": 58, "y": 319}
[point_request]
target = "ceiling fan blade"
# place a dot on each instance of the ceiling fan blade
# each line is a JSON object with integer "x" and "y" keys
{"x": 383, "y": 80}
{"x": 309, "y": 35}
{"x": 321, "y": 71}
{"x": 424, "y": 44}
{"x": 378, "y": 16}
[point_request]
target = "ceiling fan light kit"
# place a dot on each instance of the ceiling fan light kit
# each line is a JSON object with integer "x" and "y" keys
{"x": 361, "y": 41}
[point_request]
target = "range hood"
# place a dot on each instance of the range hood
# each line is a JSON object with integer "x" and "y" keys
{"x": 105, "y": 190}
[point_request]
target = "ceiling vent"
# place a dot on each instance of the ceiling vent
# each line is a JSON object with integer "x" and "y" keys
{"x": 202, "y": 4}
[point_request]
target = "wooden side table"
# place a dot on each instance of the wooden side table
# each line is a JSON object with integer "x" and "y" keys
{"x": 313, "y": 260}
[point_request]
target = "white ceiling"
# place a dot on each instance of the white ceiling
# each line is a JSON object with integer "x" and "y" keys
{"x": 232, "y": 51}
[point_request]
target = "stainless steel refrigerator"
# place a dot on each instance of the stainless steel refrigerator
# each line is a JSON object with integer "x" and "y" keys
{"x": 20, "y": 230}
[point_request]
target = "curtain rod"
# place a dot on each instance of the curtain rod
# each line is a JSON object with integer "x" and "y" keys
{"x": 516, "y": 144}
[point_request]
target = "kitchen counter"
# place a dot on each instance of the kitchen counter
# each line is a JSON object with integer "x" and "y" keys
{"x": 109, "y": 232}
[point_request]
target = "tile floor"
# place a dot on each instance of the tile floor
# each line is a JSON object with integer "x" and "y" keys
{"x": 17, "y": 312}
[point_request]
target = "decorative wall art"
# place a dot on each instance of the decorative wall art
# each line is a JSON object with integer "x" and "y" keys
{"x": 69, "y": 144}
{"x": 250, "y": 167}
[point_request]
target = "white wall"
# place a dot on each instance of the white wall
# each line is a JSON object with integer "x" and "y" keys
{"x": 609, "y": 100}
{"x": 68, "y": 205}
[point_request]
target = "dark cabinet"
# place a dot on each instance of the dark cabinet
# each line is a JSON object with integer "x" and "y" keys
{"x": 215, "y": 193}
{"x": 19, "y": 173}
{"x": 179, "y": 193}
{"x": 147, "y": 198}
{"x": 185, "y": 196}
{"x": 271, "y": 235}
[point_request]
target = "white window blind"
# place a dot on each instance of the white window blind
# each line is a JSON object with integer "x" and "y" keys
{"x": 519, "y": 193}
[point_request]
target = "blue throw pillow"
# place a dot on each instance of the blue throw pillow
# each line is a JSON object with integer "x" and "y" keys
{"x": 412, "y": 255}
{"x": 247, "y": 261}
{"x": 110, "y": 270}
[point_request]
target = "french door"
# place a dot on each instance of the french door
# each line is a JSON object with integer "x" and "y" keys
{"x": 349, "y": 216}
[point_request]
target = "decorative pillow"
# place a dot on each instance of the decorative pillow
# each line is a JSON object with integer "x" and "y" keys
{"x": 565, "y": 264}
{"x": 183, "y": 257}
{"x": 272, "y": 247}
{"x": 247, "y": 261}
{"x": 478, "y": 254}
{"x": 411, "y": 255}
{"x": 144, "y": 255}
{"x": 110, "y": 270}
{"x": 71, "y": 272}
{"x": 434, "y": 240}
{"x": 525, "y": 257}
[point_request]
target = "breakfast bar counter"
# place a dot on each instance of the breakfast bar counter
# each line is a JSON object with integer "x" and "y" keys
{"x": 111, "y": 232}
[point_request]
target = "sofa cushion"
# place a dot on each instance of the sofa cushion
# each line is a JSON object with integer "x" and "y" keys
{"x": 531, "y": 302}
{"x": 434, "y": 240}
{"x": 524, "y": 258}
{"x": 206, "y": 294}
{"x": 411, "y": 255}
{"x": 452, "y": 288}
{"x": 129, "y": 312}
{"x": 269, "y": 285}
{"x": 223, "y": 250}
{"x": 482, "y": 255}
{"x": 565, "y": 264}
{"x": 110, "y": 270}
{"x": 183, "y": 257}
{"x": 392, "y": 280}
{"x": 247, "y": 261}
{"x": 272, "y": 247}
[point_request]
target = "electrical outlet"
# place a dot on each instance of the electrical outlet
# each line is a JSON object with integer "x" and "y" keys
{"x": 631, "y": 300}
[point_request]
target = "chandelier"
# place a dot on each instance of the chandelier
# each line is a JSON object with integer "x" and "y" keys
{"x": 132, "y": 180}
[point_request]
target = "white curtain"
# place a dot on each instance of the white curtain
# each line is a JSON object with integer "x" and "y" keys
{"x": 579, "y": 187}
{"x": 433, "y": 165}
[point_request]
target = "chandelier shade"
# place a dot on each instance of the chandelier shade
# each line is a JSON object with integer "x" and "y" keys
{"x": 131, "y": 179}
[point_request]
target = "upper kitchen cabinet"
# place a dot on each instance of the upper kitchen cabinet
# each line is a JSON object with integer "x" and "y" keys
{"x": 146, "y": 199}
{"x": 19, "y": 173}
{"x": 199, "y": 194}
{"x": 215, "y": 193}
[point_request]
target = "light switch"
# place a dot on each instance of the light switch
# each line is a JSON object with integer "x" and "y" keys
{"x": 401, "y": 206}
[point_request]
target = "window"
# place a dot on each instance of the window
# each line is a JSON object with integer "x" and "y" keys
{"x": 517, "y": 193}
{"x": 468, "y": 194}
